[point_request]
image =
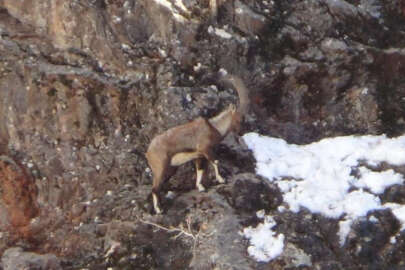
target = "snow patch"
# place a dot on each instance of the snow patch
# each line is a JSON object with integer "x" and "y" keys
{"x": 344, "y": 229}
{"x": 265, "y": 245}
{"x": 331, "y": 177}
{"x": 178, "y": 17}
{"x": 181, "y": 5}
{"x": 371, "y": 7}
{"x": 219, "y": 32}
{"x": 377, "y": 182}
{"x": 399, "y": 212}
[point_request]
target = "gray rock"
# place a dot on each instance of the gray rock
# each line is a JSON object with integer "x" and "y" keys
{"x": 251, "y": 193}
{"x": 16, "y": 258}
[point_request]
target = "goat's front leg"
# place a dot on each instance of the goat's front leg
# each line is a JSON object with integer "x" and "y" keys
{"x": 210, "y": 157}
{"x": 217, "y": 175}
{"x": 200, "y": 172}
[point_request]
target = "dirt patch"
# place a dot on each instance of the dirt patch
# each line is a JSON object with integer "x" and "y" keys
{"x": 19, "y": 195}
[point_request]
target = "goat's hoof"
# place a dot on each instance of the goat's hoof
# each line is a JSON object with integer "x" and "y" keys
{"x": 221, "y": 181}
{"x": 201, "y": 189}
{"x": 158, "y": 211}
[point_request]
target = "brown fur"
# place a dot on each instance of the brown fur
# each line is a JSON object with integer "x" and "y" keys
{"x": 193, "y": 141}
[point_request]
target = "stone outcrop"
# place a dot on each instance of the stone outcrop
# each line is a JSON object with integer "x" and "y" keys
{"x": 15, "y": 258}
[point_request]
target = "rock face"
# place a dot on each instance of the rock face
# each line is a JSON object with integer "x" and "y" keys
{"x": 15, "y": 258}
{"x": 85, "y": 85}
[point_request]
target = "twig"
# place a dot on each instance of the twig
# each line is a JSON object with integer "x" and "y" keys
{"x": 181, "y": 231}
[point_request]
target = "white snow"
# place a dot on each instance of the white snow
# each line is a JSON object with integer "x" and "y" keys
{"x": 371, "y": 7}
{"x": 265, "y": 245}
{"x": 219, "y": 32}
{"x": 344, "y": 229}
{"x": 399, "y": 211}
{"x": 378, "y": 181}
{"x": 173, "y": 10}
{"x": 332, "y": 177}
{"x": 181, "y": 5}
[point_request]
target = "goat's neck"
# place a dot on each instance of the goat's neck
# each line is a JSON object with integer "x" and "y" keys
{"x": 223, "y": 122}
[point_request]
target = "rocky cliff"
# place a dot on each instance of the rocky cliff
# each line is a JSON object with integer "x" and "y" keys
{"x": 85, "y": 85}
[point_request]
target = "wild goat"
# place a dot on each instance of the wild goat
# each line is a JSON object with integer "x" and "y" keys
{"x": 193, "y": 141}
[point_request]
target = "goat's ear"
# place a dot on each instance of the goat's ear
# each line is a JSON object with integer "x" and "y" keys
{"x": 232, "y": 107}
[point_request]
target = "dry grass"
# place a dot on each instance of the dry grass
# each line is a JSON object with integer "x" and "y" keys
{"x": 183, "y": 230}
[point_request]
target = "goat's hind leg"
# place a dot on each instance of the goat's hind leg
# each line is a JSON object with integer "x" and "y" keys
{"x": 156, "y": 200}
{"x": 159, "y": 176}
{"x": 200, "y": 172}
{"x": 163, "y": 175}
